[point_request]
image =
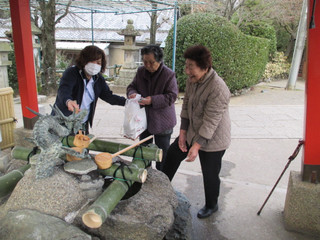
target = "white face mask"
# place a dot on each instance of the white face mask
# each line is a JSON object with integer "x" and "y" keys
{"x": 92, "y": 68}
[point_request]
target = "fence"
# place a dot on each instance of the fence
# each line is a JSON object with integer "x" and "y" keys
{"x": 7, "y": 117}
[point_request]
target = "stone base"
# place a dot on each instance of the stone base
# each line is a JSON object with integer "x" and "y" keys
{"x": 126, "y": 76}
{"x": 5, "y": 157}
{"x": 302, "y": 206}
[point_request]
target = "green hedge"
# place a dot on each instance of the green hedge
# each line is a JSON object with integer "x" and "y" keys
{"x": 263, "y": 30}
{"x": 238, "y": 58}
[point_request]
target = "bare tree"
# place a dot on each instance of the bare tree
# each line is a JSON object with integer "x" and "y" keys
{"x": 231, "y": 6}
{"x": 153, "y": 25}
{"x": 287, "y": 14}
{"x": 283, "y": 13}
{"x": 45, "y": 19}
{"x": 225, "y": 8}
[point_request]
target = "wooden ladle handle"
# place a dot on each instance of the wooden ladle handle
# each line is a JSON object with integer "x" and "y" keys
{"x": 92, "y": 139}
{"x": 104, "y": 160}
{"x": 132, "y": 146}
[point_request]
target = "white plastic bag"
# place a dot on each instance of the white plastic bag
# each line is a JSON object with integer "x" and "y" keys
{"x": 135, "y": 119}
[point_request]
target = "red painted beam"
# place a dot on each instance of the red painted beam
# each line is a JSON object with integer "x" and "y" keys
{"x": 311, "y": 157}
{"x": 22, "y": 38}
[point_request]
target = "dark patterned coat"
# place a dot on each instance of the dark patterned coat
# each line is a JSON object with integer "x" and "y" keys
{"x": 72, "y": 87}
{"x": 162, "y": 87}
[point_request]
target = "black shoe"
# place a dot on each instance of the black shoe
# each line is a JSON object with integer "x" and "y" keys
{"x": 207, "y": 212}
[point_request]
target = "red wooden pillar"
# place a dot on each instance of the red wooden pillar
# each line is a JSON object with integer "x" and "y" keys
{"x": 311, "y": 155}
{"x": 22, "y": 38}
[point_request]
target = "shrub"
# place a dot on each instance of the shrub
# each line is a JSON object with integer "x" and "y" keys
{"x": 238, "y": 58}
{"x": 283, "y": 38}
{"x": 278, "y": 68}
{"x": 263, "y": 30}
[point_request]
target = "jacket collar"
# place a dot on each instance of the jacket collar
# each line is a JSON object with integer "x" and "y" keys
{"x": 206, "y": 76}
{"x": 154, "y": 74}
{"x": 94, "y": 77}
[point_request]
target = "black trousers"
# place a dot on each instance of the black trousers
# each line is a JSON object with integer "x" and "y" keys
{"x": 210, "y": 166}
{"x": 162, "y": 141}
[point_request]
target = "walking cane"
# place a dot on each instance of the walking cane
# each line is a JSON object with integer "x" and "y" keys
{"x": 291, "y": 158}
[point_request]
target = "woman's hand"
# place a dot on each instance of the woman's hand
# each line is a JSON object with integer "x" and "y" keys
{"x": 73, "y": 106}
{"x": 193, "y": 152}
{"x": 145, "y": 101}
{"x": 133, "y": 95}
{"x": 183, "y": 141}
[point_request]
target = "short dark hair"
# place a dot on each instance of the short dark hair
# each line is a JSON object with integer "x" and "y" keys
{"x": 200, "y": 54}
{"x": 155, "y": 49}
{"x": 91, "y": 53}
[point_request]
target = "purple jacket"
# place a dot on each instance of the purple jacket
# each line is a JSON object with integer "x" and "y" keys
{"x": 163, "y": 89}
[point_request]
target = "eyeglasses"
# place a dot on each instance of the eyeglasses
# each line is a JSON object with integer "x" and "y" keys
{"x": 190, "y": 66}
{"x": 148, "y": 62}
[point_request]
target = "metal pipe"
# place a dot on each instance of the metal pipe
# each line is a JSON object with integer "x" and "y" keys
{"x": 174, "y": 36}
{"x": 92, "y": 37}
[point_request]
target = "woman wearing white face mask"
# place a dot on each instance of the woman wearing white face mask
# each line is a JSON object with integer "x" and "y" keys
{"x": 81, "y": 85}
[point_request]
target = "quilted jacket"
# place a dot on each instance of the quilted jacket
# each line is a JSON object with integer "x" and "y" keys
{"x": 163, "y": 89}
{"x": 206, "y": 107}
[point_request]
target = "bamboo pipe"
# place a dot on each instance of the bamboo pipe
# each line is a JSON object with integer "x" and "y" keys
{"x": 98, "y": 212}
{"x": 9, "y": 181}
{"x": 104, "y": 160}
{"x": 134, "y": 173}
{"x": 154, "y": 154}
{"x": 23, "y": 153}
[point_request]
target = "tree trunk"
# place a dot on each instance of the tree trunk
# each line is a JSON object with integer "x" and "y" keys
{"x": 10, "y": 180}
{"x": 290, "y": 48}
{"x": 48, "y": 47}
{"x": 153, "y": 25}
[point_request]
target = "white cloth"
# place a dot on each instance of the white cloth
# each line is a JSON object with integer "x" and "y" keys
{"x": 88, "y": 97}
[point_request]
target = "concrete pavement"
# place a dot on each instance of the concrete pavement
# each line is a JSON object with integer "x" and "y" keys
{"x": 267, "y": 123}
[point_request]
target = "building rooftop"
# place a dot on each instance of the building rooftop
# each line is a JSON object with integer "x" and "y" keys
{"x": 77, "y": 27}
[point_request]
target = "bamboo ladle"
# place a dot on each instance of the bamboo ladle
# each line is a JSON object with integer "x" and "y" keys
{"x": 80, "y": 141}
{"x": 104, "y": 160}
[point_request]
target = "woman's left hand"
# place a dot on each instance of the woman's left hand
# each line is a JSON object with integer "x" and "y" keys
{"x": 145, "y": 101}
{"x": 193, "y": 152}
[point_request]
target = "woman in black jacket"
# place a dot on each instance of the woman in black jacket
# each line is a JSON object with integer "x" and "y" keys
{"x": 81, "y": 86}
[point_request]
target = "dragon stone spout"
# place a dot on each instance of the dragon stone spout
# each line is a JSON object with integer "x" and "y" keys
{"x": 47, "y": 132}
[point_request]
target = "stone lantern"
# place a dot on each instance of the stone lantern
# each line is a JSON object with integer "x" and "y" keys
{"x": 131, "y": 54}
